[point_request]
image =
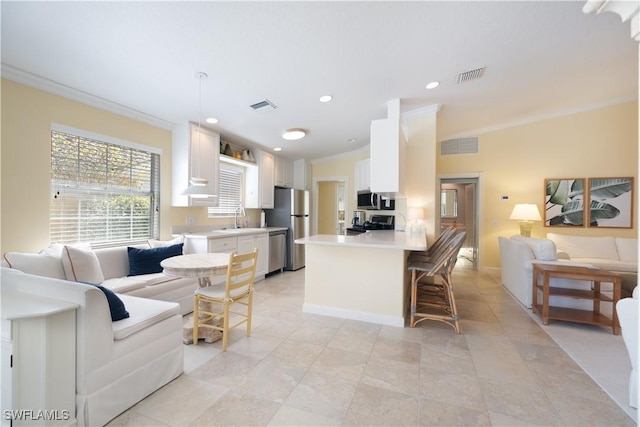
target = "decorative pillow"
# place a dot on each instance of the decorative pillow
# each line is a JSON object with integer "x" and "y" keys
{"x": 37, "y": 264}
{"x": 147, "y": 261}
{"x": 543, "y": 249}
{"x": 116, "y": 306}
{"x": 81, "y": 265}
{"x": 56, "y": 249}
{"x": 154, "y": 243}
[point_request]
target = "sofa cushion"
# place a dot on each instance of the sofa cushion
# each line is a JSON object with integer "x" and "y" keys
{"x": 37, "y": 264}
{"x": 543, "y": 249}
{"x": 627, "y": 249}
{"x": 147, "y": 261}
{"x": 144, "y": 312}
{"x": 585, "y": 247}
{"x": 154, "y": 243}
{"x": 81, "y": 265}
{"x": 123, "y": 285}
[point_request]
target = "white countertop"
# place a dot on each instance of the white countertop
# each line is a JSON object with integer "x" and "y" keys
{"x": 371, "y": 239}
{"x": 230, "y": 232}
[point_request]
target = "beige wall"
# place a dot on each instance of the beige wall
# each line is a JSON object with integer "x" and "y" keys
{"x": 327, "y": 207}
{"x": 27, "y": 115}
{"x": 515, "y": 162}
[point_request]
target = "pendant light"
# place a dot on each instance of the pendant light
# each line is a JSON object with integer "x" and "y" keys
{"x": 198, "y": 185}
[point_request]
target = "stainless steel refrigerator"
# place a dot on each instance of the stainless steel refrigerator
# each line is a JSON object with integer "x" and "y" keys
{"x": 291, "y": 210}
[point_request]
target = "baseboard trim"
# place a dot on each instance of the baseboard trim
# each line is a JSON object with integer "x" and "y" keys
{"x": 353, "y": 315}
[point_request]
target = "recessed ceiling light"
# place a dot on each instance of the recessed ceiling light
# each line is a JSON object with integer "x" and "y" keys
{"x": 326, "y": 98}
{"x": 433, "y": 85}
{"x": 294, "y": 134}
{"x": 212, "y": 120}
{"x": 277, "y": 149}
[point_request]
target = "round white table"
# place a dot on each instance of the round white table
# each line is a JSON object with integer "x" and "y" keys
{"x": 202, "y": 266}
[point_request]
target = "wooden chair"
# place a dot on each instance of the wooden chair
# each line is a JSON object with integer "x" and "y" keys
{"x": 435, "y": 301}
{"x": 238, "y": 289}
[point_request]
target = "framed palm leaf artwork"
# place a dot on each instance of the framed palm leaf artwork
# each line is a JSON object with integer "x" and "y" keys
{"x": 564, "y": 202}
{"x": 610, "y": 202}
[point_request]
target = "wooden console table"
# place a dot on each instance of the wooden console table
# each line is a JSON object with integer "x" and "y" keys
{"x": 593, "y": 317}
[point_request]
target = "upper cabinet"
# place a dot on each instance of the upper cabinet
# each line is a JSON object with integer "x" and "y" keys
{"x": 195, "y": 151}
{"x": 363, "y": 175}
{"x": 259, "y": 182}
{"x": 388, "y": 151}
{"x": 302, "y": 175}
{"x": 283, "y": 172}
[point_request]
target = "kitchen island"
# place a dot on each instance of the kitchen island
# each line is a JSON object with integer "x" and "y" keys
{"x": 362, "y": 277}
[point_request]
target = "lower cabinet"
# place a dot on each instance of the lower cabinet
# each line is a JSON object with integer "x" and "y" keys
{"x": 38, "y": 355}
{"x": 260, "y": 241}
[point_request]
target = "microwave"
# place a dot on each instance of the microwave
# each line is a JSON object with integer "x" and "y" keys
{"x": 373, "y": 201}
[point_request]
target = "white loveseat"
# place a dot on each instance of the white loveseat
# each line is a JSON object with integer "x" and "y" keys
{"x": 517, "y": 253}
{"x": 118, "y": 363}
{"x": 108, "y": 267}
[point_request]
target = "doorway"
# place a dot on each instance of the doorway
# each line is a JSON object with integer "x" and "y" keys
{"x": 459, "y": 208}
{"x": 330, "y": 205}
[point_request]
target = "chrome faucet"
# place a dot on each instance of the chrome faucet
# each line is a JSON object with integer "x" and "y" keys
{"x": 239, "y": 211}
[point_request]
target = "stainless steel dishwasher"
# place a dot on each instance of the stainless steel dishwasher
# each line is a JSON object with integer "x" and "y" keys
{"x": 277, "y": 250}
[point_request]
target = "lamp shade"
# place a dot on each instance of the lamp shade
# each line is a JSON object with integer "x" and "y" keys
{"x": 416, "y": 213}
{"x": 526, "y": 212}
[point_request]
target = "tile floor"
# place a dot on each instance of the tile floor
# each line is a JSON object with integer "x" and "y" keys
{"x": 298, "y": 369}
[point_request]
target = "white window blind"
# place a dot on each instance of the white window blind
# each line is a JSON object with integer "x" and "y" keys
{"x": 230, "y": 192}
{"x": 103, "y": 193}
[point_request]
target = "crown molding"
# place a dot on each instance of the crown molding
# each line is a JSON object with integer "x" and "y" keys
{"x": 365, "y": 149}
{"x": 627, "y": 10}
{"x": 418, "y": 112}
{"x": 23, "y": 77}
{"x": 541, "y": 117}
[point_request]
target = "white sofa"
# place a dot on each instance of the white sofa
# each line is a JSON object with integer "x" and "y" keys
{"x": 609, "y": 253}
{"x": 517, "y": 253}
{"x": 109, "y": 267}
{"x": 628, "y": 314}
{"x": 118, "y": 363}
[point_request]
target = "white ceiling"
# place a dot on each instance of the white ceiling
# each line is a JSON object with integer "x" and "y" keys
{"x": 541, "y": 58}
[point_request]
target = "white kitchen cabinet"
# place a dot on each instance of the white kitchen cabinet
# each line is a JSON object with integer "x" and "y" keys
{"x": 261, "y": 241}
{"x": 388, "y": 152}
{"x": 362, "y": 175}
{"x": 283, "y": 172}
{"x": 259, "y": 182}
{"x": 39, "y": 361}
{"x": 194, "y": 151}
{"x": 302, "y": 175}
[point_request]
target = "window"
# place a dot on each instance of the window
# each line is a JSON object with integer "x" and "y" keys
{"x": 105, "y": 191}
{"x": 230, "y": 191}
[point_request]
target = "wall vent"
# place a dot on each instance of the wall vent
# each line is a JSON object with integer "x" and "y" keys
{"x": 459, "y": 146}
{"x": 265, "y": 105}
{"x": 470, "y": 75}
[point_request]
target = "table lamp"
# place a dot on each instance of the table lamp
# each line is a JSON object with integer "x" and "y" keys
{"x": 525, "y": 213}
{"x": 416, "y": 218}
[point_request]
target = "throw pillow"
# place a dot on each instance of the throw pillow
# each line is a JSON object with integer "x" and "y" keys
{"x": 147, "y": 261}
{"x": 116, "y": 306}
{"x": 37, "y": 264}
{"x": 154, "y": 243}
{"x": 543, "y": 249}
{"x": 81, "y": 265}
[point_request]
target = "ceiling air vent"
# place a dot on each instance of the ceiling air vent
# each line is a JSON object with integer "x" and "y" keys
{"x": 470, "y": 75}
{"x": 265, "y": 105}
{"x": 459, "y": 146}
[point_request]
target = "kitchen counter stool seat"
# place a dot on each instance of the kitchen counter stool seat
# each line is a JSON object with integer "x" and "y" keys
{"x": 435, "y": 301}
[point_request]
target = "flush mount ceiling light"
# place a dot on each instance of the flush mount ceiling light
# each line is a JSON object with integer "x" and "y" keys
{"x": 277, "y": 149}
{"x": 432, "y": 85}
{"x": 326, "y": 98}
{"x": 294, "y": 134}
{"x": 212, "y": 120}
{"x": 351, "y": 140}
